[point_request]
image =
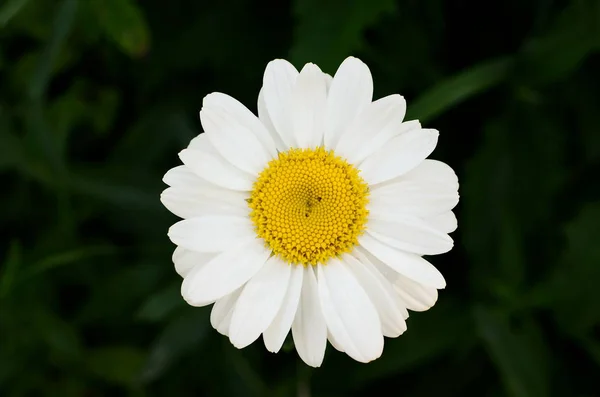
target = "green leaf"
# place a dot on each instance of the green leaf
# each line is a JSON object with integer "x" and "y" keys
{"x": 60, "y": 337}
{"x": 125, "y": 289}
{"x": 592, "y": 346}
{"x": 329, "y": 31}
{"x": 76, "y": 108}
{"x": 516, "y": 186}
{"x": 33, "y": 20}
{"x": 161, "y": 304}
{"x": 66, "y": 258}
{"x": 560, "y": 51}
{"x": 12, "y": 262}
{"x": 571, "y": 290}
{"x": 584, "y": 98}
{"x": 103, "y": 111}
{"x": 63, "y": 21}
{"x": 458, "y": 375}
{"x": 116, "y": 364}
{"x": 39, "y": 131}
{"x": 110, "y": 190}
{"x": 181, "y": 336}
{"x": 124, "y": 23}
{"x": 246, "y": 373}
{"x": 519, "y": 354}
{"x": 71, "y": 387}
{"x": 11, "y": 151}
{"x": 9, "y": 10}
{"x": 154, "y": 123}
{"x": 422, "y": 342}
{"x": 458, "y": 88}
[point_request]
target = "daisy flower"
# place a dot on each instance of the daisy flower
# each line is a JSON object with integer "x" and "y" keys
{"x": 312, "y": 217}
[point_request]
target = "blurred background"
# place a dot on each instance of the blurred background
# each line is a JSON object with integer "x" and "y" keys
{"x": 97, "y": 97}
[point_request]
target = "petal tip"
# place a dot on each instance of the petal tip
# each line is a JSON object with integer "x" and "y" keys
{"x": 238, "y": 340}
{"x": 279, "y": 63}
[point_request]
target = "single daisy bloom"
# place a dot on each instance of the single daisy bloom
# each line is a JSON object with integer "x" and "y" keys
{"x": 312, "y": 217}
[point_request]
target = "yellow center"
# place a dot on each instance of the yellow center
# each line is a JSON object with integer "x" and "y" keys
{"x": 309, "y": 205}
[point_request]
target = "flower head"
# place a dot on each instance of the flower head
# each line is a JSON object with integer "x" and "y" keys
{"x": 313, "y": 216}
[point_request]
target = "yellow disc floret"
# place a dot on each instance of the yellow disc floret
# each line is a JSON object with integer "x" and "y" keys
{"x": 309, "y": 205}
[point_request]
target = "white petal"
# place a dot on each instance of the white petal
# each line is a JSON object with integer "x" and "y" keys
{"x": 243, "y": 116}
{"x": 307, "y": 110}
{"x": 409, "y": 265}
{"x": 429, "y": 172}
{"x": 429, "y": 189}
{"x": 398, "y": 156}
{"x": 220, "y": 315}
{"x": 215, "y": 169}
{"x": 387, "y": 272}
{"x": 350, "y": 315}
{"x": 185, "y": 260}
{"x": 265, "y": 118}
{"x": 415, "y": 296}
{"x": 374, "y": 118}
{"x": 378, "y": 141}
{"x": 393, "y": 213}
{"x": 279, "y": 79}
{"x": 211, "y": 233}
{"x": 182, "y": 176}
{"x": 185, "y": 205}
{"x": 184, "y": 179}
{"x": 411, "y": 294}
{"x": 435, "y": 172}
{"x": 410, "y": 234}
{"x": 381, "y": 292}
{"x": 380, "y": 270}
{"x": 234, "y": 140}
{"x": 350, "y": 92}
{"x": 259, "y": 302}
{"x": 328, "y": 80}
{"x": 201, "y": 142}
{"x": 275, "y": 334}
{"x": 445, "y": 222}
{"x": 222, "y": 275}
{"x": 415, "y": 203}
{"x": 334, "y": 342}
{"x": 308, "y": 329}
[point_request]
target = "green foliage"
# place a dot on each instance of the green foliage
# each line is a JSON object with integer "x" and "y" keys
{"x": 118, "y": 365}
{"x": 97, "y": 97}
{"x": 9, "y": 9}
{"x": 519, "y": 354}
{"x": 328, "y": 31}
{"x": 123, "y": 22}
{"x": 461, "y": 87}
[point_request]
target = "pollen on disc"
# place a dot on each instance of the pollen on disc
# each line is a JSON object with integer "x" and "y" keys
{"x": 309, "y": 205}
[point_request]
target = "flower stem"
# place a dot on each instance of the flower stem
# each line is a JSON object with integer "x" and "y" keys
{"x": 302, "y": 379}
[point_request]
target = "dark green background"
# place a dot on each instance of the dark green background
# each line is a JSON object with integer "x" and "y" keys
{"x": 97, "y": 97}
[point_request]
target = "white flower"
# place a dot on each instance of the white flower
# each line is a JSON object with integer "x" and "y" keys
{"x": 312, "y": 217}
